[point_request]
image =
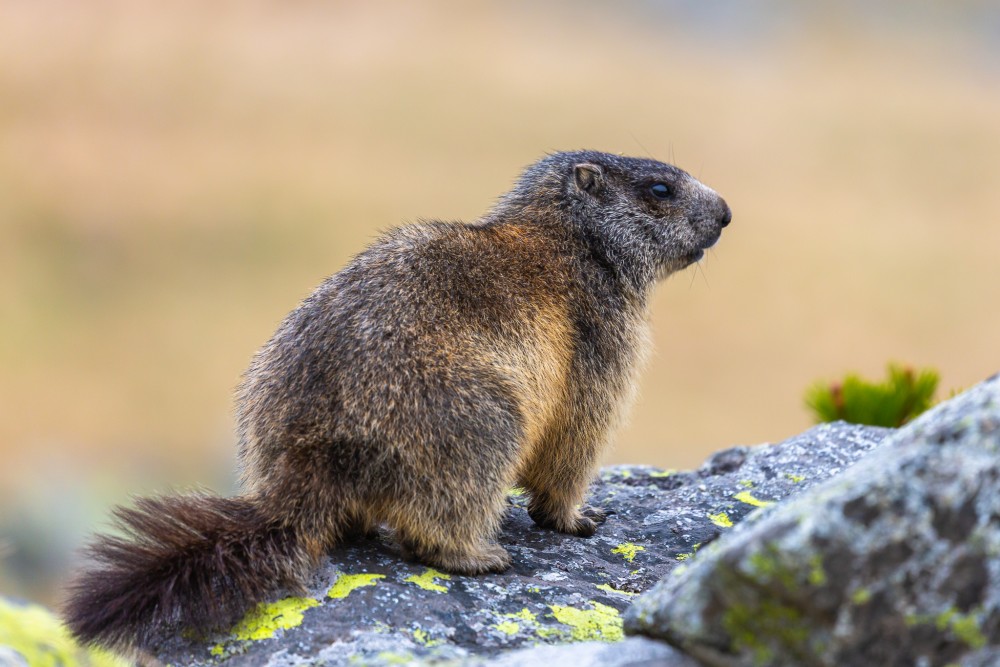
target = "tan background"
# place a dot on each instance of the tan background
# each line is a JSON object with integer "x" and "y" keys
{"x": 175, "y": 176}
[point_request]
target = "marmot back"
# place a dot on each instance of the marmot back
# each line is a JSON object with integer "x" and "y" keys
{"x": 443, "y": 365}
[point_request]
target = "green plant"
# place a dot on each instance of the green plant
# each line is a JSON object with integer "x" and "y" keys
{"x": 903, "y": 395}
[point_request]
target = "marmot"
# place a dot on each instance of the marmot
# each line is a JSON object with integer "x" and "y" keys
{"x": 443, "y": 365}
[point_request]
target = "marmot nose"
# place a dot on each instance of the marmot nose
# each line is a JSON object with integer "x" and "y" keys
{"x": 727, "y": 215}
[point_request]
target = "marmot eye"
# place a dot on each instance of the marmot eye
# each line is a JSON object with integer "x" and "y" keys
{"x": 660, "y": 190}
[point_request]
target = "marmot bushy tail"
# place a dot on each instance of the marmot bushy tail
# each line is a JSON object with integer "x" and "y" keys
{"x": 444, "y": 364}
{"x": 195, "y": 561}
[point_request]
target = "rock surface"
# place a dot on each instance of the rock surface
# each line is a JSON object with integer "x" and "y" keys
{"x": 894, "y": 562}
{"x": 368, "y": 606}
{"x": 631, "y": 652}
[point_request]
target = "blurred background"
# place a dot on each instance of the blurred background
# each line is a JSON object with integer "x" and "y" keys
{"x": 174, "y": 177}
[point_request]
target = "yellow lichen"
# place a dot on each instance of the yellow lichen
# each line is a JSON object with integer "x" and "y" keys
{"x": 550, "y": 633}
{"x": 346, "y": 583}
{"x": 694, "y": 550}
{"x": 753, "y": 629}
{"x": 965, "y": 627}
{"x": 515, "y": 491}
{"x": 513, "y": 626}
{"x": 817, "y": 575}
{"x": 34, "y": 633}
{"x": 767, "y": 566}
{"x": 861, "y": 596}
{"x": 663, "y": 473}
{"x": 746, "y": 483}
{"x": 609, "y": 589}
{"x": 423, "y": 637}
{"x": 523, "y": 615}
{"x": 507, "y": 627}
{"x": 264, "y": 621}
{"x": 426, "y": 580}
{"x": 601, "y": 623}
{"x": 721, "y": 520}
{"x": 749, "y": 499}
{"x": 628, "y": 550}
{"x": 795, "y": 478}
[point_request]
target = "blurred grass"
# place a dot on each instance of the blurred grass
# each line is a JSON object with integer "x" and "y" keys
{"x": 175, "y": 176}
{"x": 902, "y": 396}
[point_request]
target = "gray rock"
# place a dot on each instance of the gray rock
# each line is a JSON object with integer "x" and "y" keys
{"x": 986, "y": 657}
{"x": 11, "y": 658}
{"x": 368, "y": 606}
{"x": 632, "y": 652}
{"x": 894, "y": 562}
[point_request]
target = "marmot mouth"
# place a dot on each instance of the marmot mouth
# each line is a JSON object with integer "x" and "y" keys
{"x": 690, "y": 258}
{"x": 699, "y": 253}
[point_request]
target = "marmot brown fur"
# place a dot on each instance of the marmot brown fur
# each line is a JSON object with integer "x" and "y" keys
{"x": 443, "y": 365}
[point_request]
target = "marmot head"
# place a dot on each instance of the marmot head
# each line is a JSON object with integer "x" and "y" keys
{"x": 645, "y": 218}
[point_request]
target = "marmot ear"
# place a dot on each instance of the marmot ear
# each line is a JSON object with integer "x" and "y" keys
{"x": 589, "y": 177}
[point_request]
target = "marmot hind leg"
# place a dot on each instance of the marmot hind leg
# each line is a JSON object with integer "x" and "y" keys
{"x": 455, "y": 538}
{"x": 477, "y": 558}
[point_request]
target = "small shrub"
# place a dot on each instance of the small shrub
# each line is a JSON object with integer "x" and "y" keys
{"x": 893, "y": 402}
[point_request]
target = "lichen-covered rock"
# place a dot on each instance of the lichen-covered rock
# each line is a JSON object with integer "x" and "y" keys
{"x": 369, "y": 606}
{"x": 31, "y": 636}
{"x": 894, "y": 562}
